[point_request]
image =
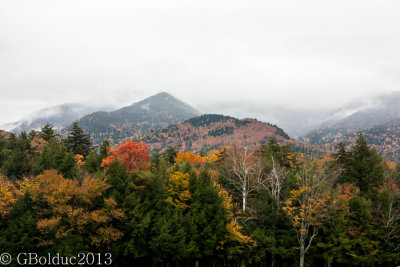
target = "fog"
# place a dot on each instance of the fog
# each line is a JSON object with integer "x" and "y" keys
{"x": 271, "y": 60}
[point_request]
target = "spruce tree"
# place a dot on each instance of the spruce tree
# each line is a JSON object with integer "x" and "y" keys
{"x": 365, "y": 167}
{"x": 47, "y": 132}
{"x": 77, "y": 141}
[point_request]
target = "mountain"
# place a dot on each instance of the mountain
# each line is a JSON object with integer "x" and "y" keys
{"x": 210, "y": 131}
{"x": 378, "y": 119}
{"x": 354, "y": 117}
{"x": 155, "y": 112}
{"x": 385, "y": 138}
{"x": 59, "y": 116}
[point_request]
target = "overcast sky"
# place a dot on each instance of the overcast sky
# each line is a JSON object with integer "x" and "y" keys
{"x": 214, "y": 55}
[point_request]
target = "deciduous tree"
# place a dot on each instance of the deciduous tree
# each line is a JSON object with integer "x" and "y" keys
{"x": 311, "y": 203}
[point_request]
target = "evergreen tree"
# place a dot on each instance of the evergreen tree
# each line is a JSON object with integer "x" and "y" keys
{"x": 92, "y": 162}
{"x": 170, "y": 154}
{"x": 18, "y": 161}
{"x": 365, "y": 167}
{"x": 362, "y": 165}
{"x": 77, "y": 141}
{"x": 47, "y": 132}
{"x": 3, "y": 149}
{"x": 20, "y": 232}
{"x": 51, "y": 157}
{"x": 69, "y": 167}
{"x": 32, "y": 134}
{"x": 104, "y": 148}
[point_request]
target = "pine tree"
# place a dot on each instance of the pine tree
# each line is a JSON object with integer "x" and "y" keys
{"x": 18, "y": 161}
{"x": 104, "y": 148}
{"x": 365, "y": 167}
{"x": 92, "y": 163}
{"x": 47, "y": 132}
{"x": 51, "y": 157}
{"x": 77, "y": 141}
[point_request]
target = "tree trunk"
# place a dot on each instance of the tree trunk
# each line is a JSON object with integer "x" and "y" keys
{"x": 302, "y": 256}
{"x": 244, "y": 203}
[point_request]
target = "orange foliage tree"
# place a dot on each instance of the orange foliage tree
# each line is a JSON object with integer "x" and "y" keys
{"x": 190, "y": 157}
{"x": 79, "y": 159}
{"x": 66, "y": 208}
{"x": 133, "y": 155}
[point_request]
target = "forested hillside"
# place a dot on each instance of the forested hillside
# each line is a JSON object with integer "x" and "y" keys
{"x": 233, "y": 206}
{"x": 385, "y": 138}
{"x": 212, "y": 131}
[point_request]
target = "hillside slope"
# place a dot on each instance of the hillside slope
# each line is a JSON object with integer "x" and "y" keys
{"x": 385, "y": 138}
{"x": 210, "y": 131}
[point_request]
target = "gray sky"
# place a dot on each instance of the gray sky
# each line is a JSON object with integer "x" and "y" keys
{"x": 239, "y": 56}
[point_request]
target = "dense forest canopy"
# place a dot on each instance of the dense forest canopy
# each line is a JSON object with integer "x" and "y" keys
{"x": 232, "y": 206}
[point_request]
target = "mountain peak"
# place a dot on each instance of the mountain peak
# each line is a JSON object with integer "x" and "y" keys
{"x": 154, "y": 112}
{"x": 161, "y": 98}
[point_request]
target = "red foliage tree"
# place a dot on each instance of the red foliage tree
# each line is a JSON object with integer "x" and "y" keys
{"x": 133, "y": 155}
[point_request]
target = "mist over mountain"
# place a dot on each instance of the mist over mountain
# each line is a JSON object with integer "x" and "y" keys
{"x": 155, "y": 112}
{"x": 356, "y": 116}
{"x": 59, "y": 116}
{"x": 377, "y": 118}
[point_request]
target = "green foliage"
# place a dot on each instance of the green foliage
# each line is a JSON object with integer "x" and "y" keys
{"x": 207, "y": 229}
{"x": 221, "y": 131}
{"x": 20, "y": 231}
{"x": 105, "y": 146}
{"x": 51, "y": 157}
{"x": 92, "y": 162}
{"x": 19, "y": 157}
{"x": 47, "y": 132}
{"x": 54, "y": 155}
{"x": 362, "y": 166}
{"x": 208, "y": 119}
{"x": 282, "y": 154}
{"x": 3, "y": 149}
{"x": 77, "y": 141}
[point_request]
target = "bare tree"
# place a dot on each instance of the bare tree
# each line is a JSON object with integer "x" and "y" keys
{"x": 274, "y": 182}
{"x": 244, "y": 171}
{"x": 388, "y": 212}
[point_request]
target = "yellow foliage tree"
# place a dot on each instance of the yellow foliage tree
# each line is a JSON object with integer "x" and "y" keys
{"x": 10, "y": 192}
{"x": 7, "y": 196}
{"x": 233, "y": 229}
{"x": 311, "y": 202}
{"x": 178, "y": 190}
